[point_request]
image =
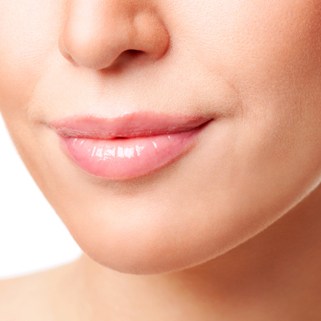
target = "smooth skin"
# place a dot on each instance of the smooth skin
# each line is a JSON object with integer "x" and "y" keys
{"x": 229, "y": 232}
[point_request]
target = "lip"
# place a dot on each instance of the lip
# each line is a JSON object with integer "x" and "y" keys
{"x": 128, "y": 146}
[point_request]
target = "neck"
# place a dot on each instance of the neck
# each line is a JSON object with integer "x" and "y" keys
{"x": 273, "y": 276}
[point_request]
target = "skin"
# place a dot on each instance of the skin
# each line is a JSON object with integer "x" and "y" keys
{"x": 231, "y": 230}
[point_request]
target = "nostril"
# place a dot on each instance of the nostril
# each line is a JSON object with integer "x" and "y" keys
{"x": 125, "y": 58}
{"x": 133, "y": 52}
{"x": 129, "y": 56}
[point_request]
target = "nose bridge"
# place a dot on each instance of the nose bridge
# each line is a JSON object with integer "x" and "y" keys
{"x": 97, "y": 32}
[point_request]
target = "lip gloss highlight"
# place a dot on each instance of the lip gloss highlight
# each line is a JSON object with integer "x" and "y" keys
{"x": 129, "y": 146}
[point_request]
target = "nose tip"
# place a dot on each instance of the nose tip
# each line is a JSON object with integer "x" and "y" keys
{"x": 96, "y": 35}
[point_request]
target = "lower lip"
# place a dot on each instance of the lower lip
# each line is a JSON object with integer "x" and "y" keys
{"x": 121, "y": 159}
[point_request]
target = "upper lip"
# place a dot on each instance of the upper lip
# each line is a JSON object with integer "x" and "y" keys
{"x": 127, "y": 125}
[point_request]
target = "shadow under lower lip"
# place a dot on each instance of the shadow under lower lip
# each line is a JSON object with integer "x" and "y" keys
{"x": 122, "y": 159}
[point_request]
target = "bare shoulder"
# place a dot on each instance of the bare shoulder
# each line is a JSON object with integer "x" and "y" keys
{"x": 33, "y": 296}
{"x": 20, "y": 296}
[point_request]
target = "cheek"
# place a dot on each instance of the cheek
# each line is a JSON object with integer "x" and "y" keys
{"x": 272, "y": 49}
{"x": 254, "y": 44}
{"x": 270, "y": 52}
{"x": 28, "y": 32}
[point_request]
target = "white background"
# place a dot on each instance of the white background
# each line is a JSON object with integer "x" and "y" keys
{"x": 32, "y": 237}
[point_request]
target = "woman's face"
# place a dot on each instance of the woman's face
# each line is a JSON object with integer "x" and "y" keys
{"x": 254, "y": 66}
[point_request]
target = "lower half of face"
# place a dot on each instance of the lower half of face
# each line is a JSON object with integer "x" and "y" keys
{"x": 258, "y": 72}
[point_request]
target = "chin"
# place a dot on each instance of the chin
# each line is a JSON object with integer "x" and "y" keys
{"x": 153, "y": 246}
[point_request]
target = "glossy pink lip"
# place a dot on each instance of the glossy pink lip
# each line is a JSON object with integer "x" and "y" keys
{"x": 128, "y": 146}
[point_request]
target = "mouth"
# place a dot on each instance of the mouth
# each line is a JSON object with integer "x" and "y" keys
{"x": 129, "y": 146}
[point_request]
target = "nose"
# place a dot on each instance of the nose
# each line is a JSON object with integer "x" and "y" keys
{"x": 98, "y": 33}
